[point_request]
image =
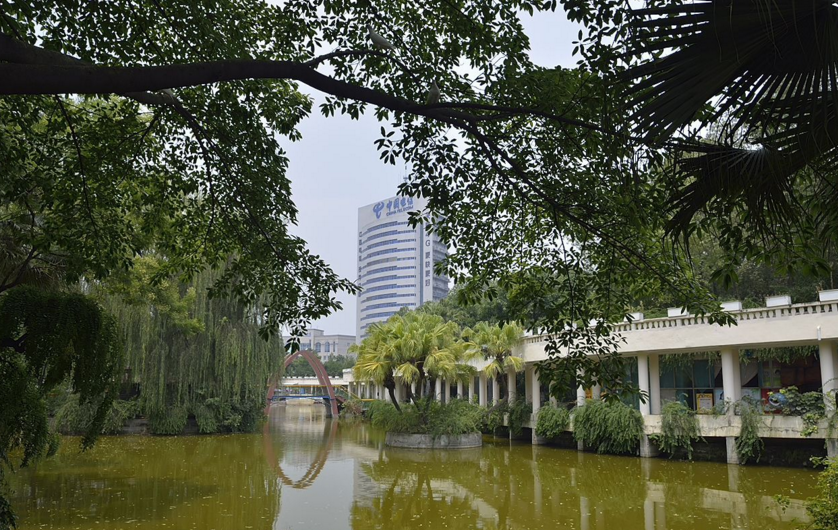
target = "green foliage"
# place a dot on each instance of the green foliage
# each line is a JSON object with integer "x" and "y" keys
{"x": 335, "y": 365}
{"x": 48, "y": 337}
{"x": 299, "y": 367}
{"x": 376, "y": 408}
{"x": 552, "y": 421}
{"x": 215, "y": 415}
{"x": 428, "y": 417}
{"x": 519, "y": 412}
{"x": 809, "y": 406}
{"x": 686, "y": 360}
{"x": 679, "y": 426}
{"x": 823, "y": 508}
{"x": 413, "y": 346}
{"x": 610, "y": 427}
{"x": 496, "y": 342}
{"x": 74, "y": 417}
{"x": 467, "y": 309}
{"x": 188, "y": 350}
{"x": 749, "y": 446}
{"x": 170, "y": 421}
{"x": 352, "y": 409}
{"x": 206, "y": 419}
{"x": 493, "y": 417}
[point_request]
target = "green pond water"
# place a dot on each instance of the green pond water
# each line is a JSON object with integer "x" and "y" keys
{"x": 308, "y": 472}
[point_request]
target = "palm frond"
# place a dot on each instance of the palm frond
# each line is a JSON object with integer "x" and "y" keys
{"x": 770, "y": 70}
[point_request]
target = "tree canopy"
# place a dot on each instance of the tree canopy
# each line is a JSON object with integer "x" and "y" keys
{"x": 578, "y": 190}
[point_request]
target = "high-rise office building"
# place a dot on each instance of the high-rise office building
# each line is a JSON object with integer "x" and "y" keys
{"x": 395, "y": 262}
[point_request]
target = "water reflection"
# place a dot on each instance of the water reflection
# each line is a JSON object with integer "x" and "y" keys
{"x": 144, "y": 483}
{"x": 305, "y": 471}
{"x": 330, "y": 430}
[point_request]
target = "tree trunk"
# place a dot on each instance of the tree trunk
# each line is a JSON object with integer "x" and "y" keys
{"x": 392, "y": 390}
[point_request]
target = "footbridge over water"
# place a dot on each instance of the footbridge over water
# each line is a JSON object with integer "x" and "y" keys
{"x": 333, "y": 390}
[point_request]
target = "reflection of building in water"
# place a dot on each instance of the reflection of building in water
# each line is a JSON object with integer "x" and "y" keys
{"x": 519, "y": 486}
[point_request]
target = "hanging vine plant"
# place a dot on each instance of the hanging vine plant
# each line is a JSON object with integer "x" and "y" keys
{"x": 786, "y": 355}
{"x": 677, "y": 361}
{"x": 749, "y": 446}
{"x": 679, "y": 429}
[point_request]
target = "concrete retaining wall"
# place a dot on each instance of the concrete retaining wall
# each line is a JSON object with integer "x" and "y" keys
{"x": 428, "y": 441}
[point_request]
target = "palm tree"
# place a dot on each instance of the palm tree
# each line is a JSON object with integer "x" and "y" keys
{"x": 496, "y": 343}
{"x": 770, "y": 70}
{"x": 413, "y": 347}
{"x": 377, "y": 359}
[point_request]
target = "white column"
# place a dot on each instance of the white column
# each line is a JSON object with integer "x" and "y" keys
{"x": 827, "y": 355}
{"x": 438, "y": 389}
{"x": 655, "y": 384}
{"x": 460, "y": 390}
{"x": 732, "y": 388}
{"x": 596, "y": 392}
{"x": 536, "y": 392}
{"x": 643, "y": 381}
{"x": 495, "y": 390}
{"x": 471, "y": 389}
{"x": 646, "y": 448}
{"x": 483, "y": 390}
{"x": 829, "y": 384}
{"x": 580, "y": 394}
{"x": 730, "y": 378}
{"x": 510, "y": 385}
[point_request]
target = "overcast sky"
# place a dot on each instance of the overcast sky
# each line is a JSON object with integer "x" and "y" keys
{"x": 335, "y": 169}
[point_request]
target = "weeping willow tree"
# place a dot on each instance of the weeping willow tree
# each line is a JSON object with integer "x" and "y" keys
{"x": 192, "y": 354}
{"x": 46, "y": 338}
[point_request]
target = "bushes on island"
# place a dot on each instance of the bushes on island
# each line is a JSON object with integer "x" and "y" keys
{"x": 427, "y": 417}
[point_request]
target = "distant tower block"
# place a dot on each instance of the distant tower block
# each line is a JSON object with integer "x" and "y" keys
{"x": 395, "y": 262}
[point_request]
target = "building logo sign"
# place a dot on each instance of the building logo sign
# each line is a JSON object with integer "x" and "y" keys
{"x": 377, "y": 209}
{"x": 394, "y": 206}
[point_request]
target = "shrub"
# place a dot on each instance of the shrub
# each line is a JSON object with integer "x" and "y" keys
{"x": 749, "y": 445}
{"x": 74, "y": 417}
{"x": 376, "y": 407}
{"x": 519, "y": 412}
{"x": 352, "y": 409}
{"x": 809, "y": 406}
{"x": 552, "y": 421}
{"x": 679, "y": 428}
{"x": 206, "y": 419}
{"x": 492, "y": 417}
{"x": 214, "y": 415}
{"x": 823, "y": 509}
{"x": 429, "y": 417}
{"x": 610, "y": 427}
{"x": 169, "y": 421}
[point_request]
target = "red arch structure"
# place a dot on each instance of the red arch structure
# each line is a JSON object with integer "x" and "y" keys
{"x": 319, "y": 370}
